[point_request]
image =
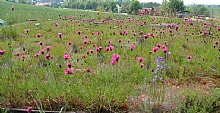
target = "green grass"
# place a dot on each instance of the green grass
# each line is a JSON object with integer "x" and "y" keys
{"x": 42, "y": 83}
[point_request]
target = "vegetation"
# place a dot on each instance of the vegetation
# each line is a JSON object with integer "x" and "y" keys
{"x": 74, "y": 60}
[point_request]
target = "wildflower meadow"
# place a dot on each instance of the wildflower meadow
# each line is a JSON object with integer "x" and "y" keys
{"x": 72, "y": 60}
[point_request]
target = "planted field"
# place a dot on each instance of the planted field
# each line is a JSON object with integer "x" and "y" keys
{"x": 97, "y": 62}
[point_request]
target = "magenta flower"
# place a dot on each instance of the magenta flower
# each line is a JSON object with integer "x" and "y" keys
{"x": 79, "y": 32}
{"x": 36, "y": 55}
{"x": 142, "y": 65}
{"x": 66, "y": 56}
{"x": 13, "y": 8}
{"x": 146, "y": 35}
{"x": 68, "y": 64}
{"x": 111, "y": 47}
{"x": 42, "y": 51}
{"x": 218, "y": 28}
{"x": 85, "y": 41}
{"x": 40, "y": 43}
{"x": 107, "y": 48}
{"x": 23, "y": 56}
{"x": 132, "y": 46}
{"x": 69, "y": 43}
{"x": 2, "y": 52}
{"x": 59, "y": 35}
{"x": 56, "y": 24}
{"x": 91, "y": 51}
{"x": 27, "y": 30}
{"x": 94, "y": 45}
{"x": 83, "y": 55}
{"x": 47, "y": 55}
{"x": 165, "y": 49}
{"x": 155, "y": 48}
{"x": 17, "y": 53}
{"x": 29, "y": 109}
{"x": 48, "y": 48}
{"x": 38, "y": 35}
{"x": 89, "y": 70}
{"x": 120, "y": 40}
{"x": 69, "y": 70}
{"x": 115, "y": 58}
{"x": 189, "y": 57}
{"x": 140, "y": 59}
{"x": 71, "y": 17}
{"x": 159, "y": 45}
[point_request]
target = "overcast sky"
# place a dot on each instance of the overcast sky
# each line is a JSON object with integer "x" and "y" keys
{"x": 210, "y": 2}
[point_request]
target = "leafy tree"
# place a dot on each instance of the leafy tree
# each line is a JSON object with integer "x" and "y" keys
{"x": 150, "y": 4}
{"x": 135, "y": 5}
{"x": 176, "y": 6}
{"x": 202, "y": 10}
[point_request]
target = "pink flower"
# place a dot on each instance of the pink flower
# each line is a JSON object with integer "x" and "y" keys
{"x": 111, "y": 48}
{"x": 165, "y": 49}
{"x": 17, "y": 53}
{"x": 59, "y": 35}
{"x": 115, "y": 58}
{"x": 120, "y": 40}
{"x": 66, "y": 56}
{"x": 189, "y": 57}
{"x": 89, "y": 70}
{"x": 71, "y": 17}
{"x": 27, "y": 30}
{"x": 68, "y": 64}
{"x": 85, "y": 41}
{"x": 81, "y": 47}
{"x": 29, "y": 109}
{"x": 36, "y": 55}
{"x": 2, "y": 52}
{"x": 132, "y": 46}
{"x": 91, "y": 51}
{"x": 159, "y": 45}
{"x": 47, "y": 55}
{"x": 79, "y": 32}
{"x": 69, "y": 70}
{"x": 42, "y": 51}
{"x": 218, "y": 28}
{"x": 146, "y": 35}
{"x": 40, "y": 43}
{"x": 12, "y": 8}
{"x": 56, "y": 24}
{"x": 48, "y": 48}
{"x": 38, "y": 35}
{"x": 83, "y": 55}
{"x": 140, "y": 59}
{"x": 155, "y": 48}
{"x": 142, "y": 65}
{"x": 69, "y": 43}
{"x": 107, "y": 48}
{"x": 23, "y": 56}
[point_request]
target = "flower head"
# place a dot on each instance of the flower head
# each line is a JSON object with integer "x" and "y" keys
{"x": 29, "y": 109}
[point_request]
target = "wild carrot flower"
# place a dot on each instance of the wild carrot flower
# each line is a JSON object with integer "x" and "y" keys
{"x": 29, "y": 109}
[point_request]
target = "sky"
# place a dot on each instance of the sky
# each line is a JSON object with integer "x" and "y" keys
{"x": 209, "y": 2}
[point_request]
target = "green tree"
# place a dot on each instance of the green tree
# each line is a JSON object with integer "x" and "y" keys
{"x": 175, "y": 6}
{"x": 135, "y": 5}
{"x": 202, "y": 10}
